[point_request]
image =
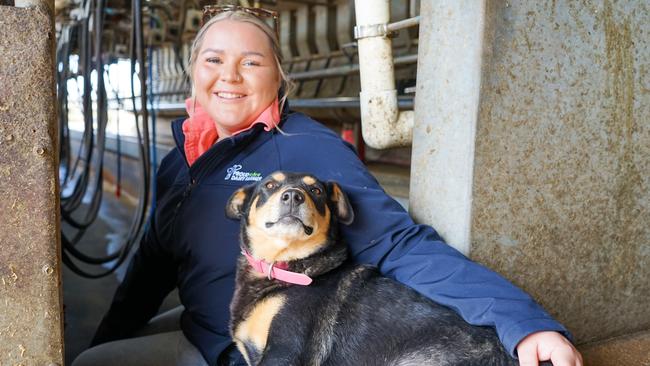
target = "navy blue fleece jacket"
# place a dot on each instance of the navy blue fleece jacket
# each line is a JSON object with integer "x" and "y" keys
{"x": 193, "y": 246}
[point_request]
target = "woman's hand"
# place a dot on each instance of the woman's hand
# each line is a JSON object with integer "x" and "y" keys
{"x": 547, "y": 346}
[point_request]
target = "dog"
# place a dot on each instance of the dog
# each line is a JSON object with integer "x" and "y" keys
{"x": 299, "y": 301}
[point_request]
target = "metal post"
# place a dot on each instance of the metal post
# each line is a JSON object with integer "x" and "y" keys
{"x": 31, "y": 326}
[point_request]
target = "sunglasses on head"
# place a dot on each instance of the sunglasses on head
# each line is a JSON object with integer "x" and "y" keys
{"x": 263, "y": 14}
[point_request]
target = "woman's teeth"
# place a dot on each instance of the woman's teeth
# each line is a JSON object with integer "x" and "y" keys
{"x": 229, "y": 95}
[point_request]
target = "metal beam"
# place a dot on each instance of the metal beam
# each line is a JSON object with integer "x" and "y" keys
{"x": 31, "y": 327}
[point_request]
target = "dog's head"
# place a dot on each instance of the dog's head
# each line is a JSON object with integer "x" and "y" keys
{"x": 289, "y": 216}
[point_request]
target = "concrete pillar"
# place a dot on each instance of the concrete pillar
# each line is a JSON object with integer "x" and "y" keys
{"x": 447, "y": 102}
{"x": 533, "y": 154}
{"x": 30, "y": 284}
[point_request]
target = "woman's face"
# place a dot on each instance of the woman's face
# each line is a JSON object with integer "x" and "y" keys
{"x": 235, "y": 75}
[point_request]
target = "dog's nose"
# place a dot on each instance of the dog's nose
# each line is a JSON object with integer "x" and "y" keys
{"x": 292, "y": 197}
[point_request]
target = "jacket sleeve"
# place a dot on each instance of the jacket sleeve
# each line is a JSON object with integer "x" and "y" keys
{"x": 384, "y": 235}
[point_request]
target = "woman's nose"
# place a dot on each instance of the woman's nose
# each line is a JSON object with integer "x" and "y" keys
{"x": 230, "y": 74}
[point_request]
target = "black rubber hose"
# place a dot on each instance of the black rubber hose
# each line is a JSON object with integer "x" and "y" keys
{"x": 123, "y": 254}
{"x": 72, "y": 202}
{"x": 135, "y": 231}
{"x": 102, "y": 120}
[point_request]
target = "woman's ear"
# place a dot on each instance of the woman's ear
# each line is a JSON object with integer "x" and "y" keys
{"x": 238, "y": 202}
{"x": 340, "y": 203}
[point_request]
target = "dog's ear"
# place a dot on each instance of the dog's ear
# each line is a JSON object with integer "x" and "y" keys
{"x": 340, "y": 203}
{"x": 238, "y": 201}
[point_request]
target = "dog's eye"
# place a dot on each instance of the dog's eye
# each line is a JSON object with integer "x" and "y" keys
{"x": 316, "y": 191}
{"x": 270, "y": 185}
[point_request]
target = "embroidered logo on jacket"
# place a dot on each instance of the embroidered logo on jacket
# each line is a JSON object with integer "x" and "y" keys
{"x": 233, "y": 173}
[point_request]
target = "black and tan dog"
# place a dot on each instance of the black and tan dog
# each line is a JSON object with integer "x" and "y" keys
{"x": 349, "y": 314}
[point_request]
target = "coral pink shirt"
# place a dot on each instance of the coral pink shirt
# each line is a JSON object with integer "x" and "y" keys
{"x": 201, "y": 132}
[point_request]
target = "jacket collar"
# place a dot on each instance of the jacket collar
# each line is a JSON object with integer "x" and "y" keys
{"x": 200, "y": 133}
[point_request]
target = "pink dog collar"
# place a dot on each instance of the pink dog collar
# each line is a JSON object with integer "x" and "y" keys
{"x": 273, "y": 272}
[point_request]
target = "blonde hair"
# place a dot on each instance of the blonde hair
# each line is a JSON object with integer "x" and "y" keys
{"x": 286, "y": 85}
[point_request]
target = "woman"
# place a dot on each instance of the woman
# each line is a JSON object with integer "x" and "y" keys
{"x": 236, "y": 135}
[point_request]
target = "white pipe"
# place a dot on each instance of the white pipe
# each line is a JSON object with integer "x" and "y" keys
{"x": 382, "y": 124}
{"x": 406, "y": 23}
{"x": 345, "y": 70}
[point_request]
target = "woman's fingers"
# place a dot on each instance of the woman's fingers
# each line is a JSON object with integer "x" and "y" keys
{"x": 527, "y": 353}
{"x": 545, "y": 346}
{"x": 566, "y": 356}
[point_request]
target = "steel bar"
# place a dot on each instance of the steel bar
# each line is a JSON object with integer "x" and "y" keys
{"x": 410, "y": 22}
{"x": 31, "y": 326}
{"x": 346, "y": 70}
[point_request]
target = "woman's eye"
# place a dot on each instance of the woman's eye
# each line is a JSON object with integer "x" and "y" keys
{"x": 251, "y": 63}
{"x": 214, "y": 60}
{"x": 316, "y": 191}
{"x": 270, "y": 185}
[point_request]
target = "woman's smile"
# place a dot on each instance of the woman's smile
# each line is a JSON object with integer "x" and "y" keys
{"x": 230, "y": 96}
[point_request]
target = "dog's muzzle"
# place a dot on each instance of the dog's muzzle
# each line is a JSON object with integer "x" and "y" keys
{"x": 291, "y": 201}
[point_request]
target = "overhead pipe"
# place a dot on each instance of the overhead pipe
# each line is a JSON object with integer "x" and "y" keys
{"x": 406, "y": 23}
{"x": 382, "y": 124}
{"x": 345, "y": 69}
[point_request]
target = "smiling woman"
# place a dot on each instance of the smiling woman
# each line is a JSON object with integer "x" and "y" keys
{"x": 238, "y": 98}
{"x": 236, "y": 55}
{"x": 235, "y": 74}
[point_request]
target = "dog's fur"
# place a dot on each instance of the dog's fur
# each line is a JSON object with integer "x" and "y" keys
{"x": 350, "y": 314}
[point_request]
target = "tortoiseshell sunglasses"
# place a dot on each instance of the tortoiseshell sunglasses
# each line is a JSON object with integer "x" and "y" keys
{"x": 212, "y": 10}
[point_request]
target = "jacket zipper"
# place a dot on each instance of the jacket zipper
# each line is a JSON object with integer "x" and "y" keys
{"x": 177, "y": 209}
{"x": 186, "y": 193}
